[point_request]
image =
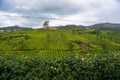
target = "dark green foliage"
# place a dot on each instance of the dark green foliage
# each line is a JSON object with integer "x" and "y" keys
{"x": 97, "y": 67}
{"x": 27, "y": 37}
{"x": 72, "y": 26}
{"x": 46, "y": 24}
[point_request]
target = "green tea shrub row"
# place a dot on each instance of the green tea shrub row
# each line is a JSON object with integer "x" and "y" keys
{"x": 97, "y": 67}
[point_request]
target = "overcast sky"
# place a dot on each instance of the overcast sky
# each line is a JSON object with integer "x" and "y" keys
{"x": 33, "y": 13}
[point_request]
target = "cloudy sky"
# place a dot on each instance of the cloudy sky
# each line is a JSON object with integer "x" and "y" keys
{"x": 33, "y": 13}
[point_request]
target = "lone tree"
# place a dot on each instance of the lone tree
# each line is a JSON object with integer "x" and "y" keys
{"x": 46, "y": 24}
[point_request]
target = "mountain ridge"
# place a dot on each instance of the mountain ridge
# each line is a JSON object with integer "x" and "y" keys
{"x": 16, "y": 27}
{"x": 106, "y": 26}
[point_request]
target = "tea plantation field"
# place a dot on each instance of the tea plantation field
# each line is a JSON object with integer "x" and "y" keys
{"x": 60, "y": 54}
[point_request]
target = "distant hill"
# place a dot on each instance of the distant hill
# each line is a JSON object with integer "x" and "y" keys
{"x": 16, "y": 27}
{"x": 107, "y": 26}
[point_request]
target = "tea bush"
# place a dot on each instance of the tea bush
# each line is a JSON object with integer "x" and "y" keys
{"x": 96, "y": 67}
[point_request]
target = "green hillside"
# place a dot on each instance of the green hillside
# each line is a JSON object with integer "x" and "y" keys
{"x": 60, "y": 54}
{"x": 60, "y": 40}
{"x": 107, "y": 26}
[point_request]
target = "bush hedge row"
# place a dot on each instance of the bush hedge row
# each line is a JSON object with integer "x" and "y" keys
{"x": 97, "y": 67}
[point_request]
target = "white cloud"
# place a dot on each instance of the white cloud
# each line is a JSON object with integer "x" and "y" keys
{"x": 85, "y": 12}
{"x": 10, "y": 19}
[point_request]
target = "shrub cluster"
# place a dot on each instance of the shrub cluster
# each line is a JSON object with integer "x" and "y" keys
{"x": 97, "y": 67}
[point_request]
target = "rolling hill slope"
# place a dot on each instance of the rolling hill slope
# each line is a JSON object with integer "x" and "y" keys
{"x": 107, "y": 26}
